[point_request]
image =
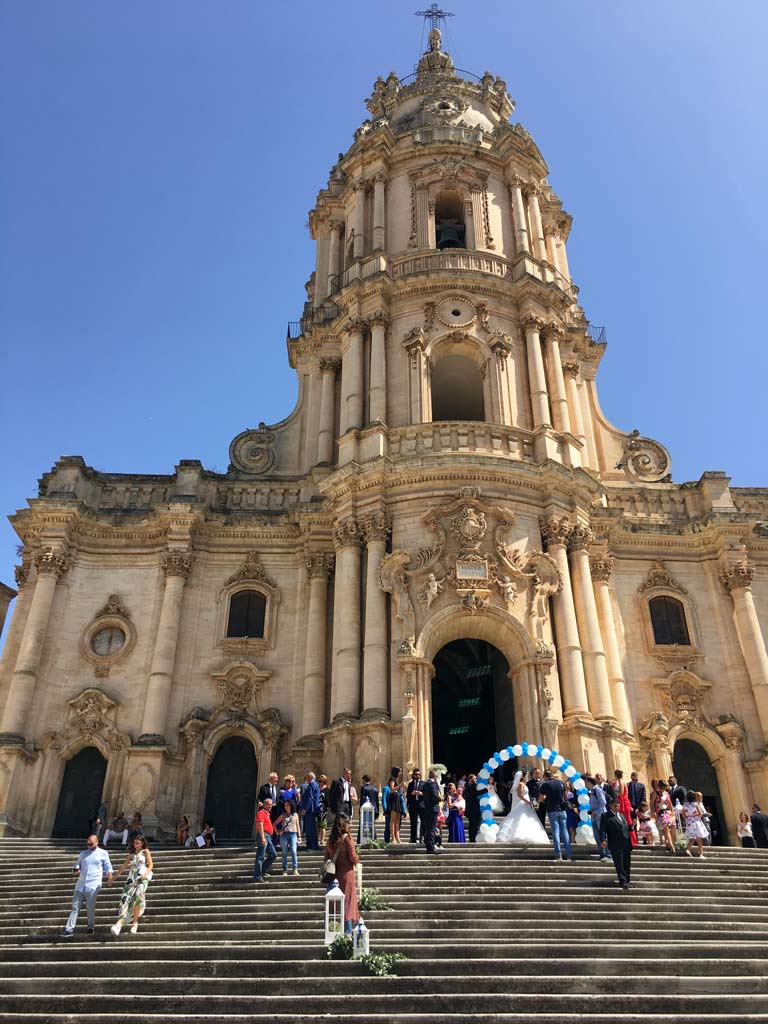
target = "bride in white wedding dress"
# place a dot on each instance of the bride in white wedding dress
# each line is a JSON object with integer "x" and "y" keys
{"x": 522, "y": 826}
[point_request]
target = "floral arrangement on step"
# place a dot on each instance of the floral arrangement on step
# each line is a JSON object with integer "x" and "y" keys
{"x": 372, "y": 899}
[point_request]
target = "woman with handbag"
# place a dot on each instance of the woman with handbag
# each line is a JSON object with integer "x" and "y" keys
{"x": 340, "y": 859}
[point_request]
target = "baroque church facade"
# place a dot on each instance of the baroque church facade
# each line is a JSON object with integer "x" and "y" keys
{"x": 445, "y": 548}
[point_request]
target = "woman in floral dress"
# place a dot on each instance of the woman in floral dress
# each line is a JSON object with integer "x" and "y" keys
{"x": 133, "y": 902}
{"x": 665, "y": 817}
{"x": 695, "y": 829}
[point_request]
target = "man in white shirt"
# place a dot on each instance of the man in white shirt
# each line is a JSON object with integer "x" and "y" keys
{"x": 90, "y": 868}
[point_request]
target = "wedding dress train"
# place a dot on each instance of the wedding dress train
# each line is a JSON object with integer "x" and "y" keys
{"x": 522, "y": 826}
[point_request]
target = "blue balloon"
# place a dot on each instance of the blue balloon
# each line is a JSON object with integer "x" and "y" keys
{"x": 539, "y": 750}
{"x": 552, "y": 757}
{"x": 576, "y": 777}
{"x": 525, "y": 749}
{"x": 564, "y": 765}
{"x": 510, "y": 752}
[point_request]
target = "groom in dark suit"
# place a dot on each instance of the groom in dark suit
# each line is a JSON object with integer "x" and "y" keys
{"x": 430, "y": 805}
{"x": 614, "y": 833}
{"x": 635, "y": 792}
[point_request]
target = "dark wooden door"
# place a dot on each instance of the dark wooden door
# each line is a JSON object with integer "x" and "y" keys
{"x": 230, "y": 799}
{"x": 80, "y": 795}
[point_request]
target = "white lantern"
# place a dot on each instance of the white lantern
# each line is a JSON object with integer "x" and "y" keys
{"x": 361, "y": 941}
{"x": 367, "y": 819}
{"x": 334, "y": 913}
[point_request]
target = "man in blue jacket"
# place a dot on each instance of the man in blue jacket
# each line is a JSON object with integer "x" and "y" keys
{"x": 310, "y": 809}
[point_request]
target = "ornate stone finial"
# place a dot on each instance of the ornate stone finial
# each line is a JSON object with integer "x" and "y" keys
{"x": 252, "y": 569}
{"x": 660, "y": 576}
{"x": 737, "y": 576}
{"x": 581, "y": 537}
{"x": 113, "y": 607}
{"x": 177, "y": 562}
{"x": 330, "y": 365}
{"x": 49, "y": 561}
{"x": 21, "y": 572}
{"x": 644, "y": 459}
{"x": 319, "y": 564}
{"x": 556, "y": 531}
{"x": 376, "y": 527}
{"x": 601, "y": 568}
{"x": 347, "y": 534}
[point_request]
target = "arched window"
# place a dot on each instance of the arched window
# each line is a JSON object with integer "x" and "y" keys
{"x": 668, "y": 620}
{"x": 450, "y": 232}
{"x": 246, "y": 614}
{"x": 457, "y": 390}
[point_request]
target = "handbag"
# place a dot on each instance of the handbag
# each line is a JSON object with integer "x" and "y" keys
{"x": 328, "y": 870}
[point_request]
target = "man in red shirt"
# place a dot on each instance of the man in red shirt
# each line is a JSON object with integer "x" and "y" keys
{"x": 265, "y": 850}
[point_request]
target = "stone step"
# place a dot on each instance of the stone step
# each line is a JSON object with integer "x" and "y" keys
{"x": 461, "y": 1017}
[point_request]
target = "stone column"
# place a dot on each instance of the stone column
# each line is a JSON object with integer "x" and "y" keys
{"x": 336, "y": 227}
{"x": 563, "y": 268}
{"x": 358, "y": 219}
{"x": 574, "y": 404}
{"x": 177, "y": 565}
{"x": 313, "y": 714}
{"x": 379, "y": 211}
{"x": 352, "y": 377}
{"x": 376, "y": 650}
{"x": 478, "y": 216}
{"x": 534, "y": 211}
{"x": 552, "y": 337}
{"x": 325, "y": 439}
{"x": 536, "y": 377}
{"x": 518, "y": 216}
{"x": 51, "y": 565}
{"x": 345, "y": 683}
{"x": 593, "y": 655}
{"x": 556, "y": 533}
{"x": 737, "y": 579}
{"x": 378, "y": 391}
{"x": 422, "y": 216}
{"x": 601, "y": 569}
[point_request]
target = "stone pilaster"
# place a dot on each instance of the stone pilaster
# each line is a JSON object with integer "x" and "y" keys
{"x": 358, "y": 219}
{"x": 345, "y": 681}
{"x": 737, "y": 580}
{"x": 378, "y": 385}
{"x": 352, "y": 377}
{"x": 334, "y": 249}
{"x": 177, "y": 565}
{"x": 518, "y": 216}
{"x": 325, "y": 440}
{"x": 571, "y": 371}
{"x": 376, "y": 650}
{"x": 379, "y": 211}
{"x": 556, "y": 534}
{"x": 313, "y": 711}
{"x": 532, "y": 193}
{"x": 51, "y": 564}
{"x": 553, "y": 335}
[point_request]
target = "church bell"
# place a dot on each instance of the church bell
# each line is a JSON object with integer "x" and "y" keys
{"x": 450, "y": 235}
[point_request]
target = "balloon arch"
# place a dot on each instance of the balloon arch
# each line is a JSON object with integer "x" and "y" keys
{"x": 489, "y": 830}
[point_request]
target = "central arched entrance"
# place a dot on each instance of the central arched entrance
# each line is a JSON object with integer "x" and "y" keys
{"x": 473, "y": 707}
{"x": 80, "y": 795}
{"x": 694, "y": 770}
{"x": 230, "y": 797}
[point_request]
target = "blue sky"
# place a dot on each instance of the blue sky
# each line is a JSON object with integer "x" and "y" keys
{"x": 159, "y": 159}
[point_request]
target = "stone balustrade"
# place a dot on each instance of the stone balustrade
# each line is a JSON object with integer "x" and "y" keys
{"x": 460, "y": 436}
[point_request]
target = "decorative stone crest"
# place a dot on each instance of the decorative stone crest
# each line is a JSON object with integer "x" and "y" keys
{"x": 92, "y": 715}
{"x": 644, "y": 460}
{"x": 448, "y": 167}
{"x": 253, "y": 451}
{"x": 113, "y": 607}
{"x": 177, "y": 562}
{"x": 659, "y": 577}
{"x": 238, "y": 691}
{"x": 49, "y": 561}
{"x": 252, "y": 569}
{"x": 738, "y": 576}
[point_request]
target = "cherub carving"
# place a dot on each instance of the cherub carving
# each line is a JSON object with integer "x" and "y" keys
{"x": 431, "y": 590}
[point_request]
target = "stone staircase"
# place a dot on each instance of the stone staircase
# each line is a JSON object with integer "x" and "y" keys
{"x": 490, "y": 934}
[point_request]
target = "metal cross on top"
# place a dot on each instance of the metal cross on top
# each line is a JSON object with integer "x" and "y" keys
{"x": 435, "y": 15}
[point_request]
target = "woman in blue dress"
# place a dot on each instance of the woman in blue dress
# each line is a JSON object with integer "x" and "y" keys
{"x": 456, "y": 808}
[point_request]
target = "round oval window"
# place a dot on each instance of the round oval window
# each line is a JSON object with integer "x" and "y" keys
{"x": 107, "y": 641}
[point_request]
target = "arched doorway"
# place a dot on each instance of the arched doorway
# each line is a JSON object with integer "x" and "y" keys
{"x": 230, "y": 796}
{"x": 473, "y": 707}
{"x": 80, "y": 795}
{"x": 694, "y": 770}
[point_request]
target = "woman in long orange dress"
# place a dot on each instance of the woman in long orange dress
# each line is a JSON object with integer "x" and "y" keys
{"x": 624, "y": 805}
{"x": 340, "y": 840}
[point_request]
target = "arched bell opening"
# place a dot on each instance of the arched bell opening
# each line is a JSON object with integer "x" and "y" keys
{"x": 230, "y": 796}
{"x": 450, "y": 229}
{"x": 473, "y": 706}
{"x": 458, "y": 391}
{"x": 694, "y": 771}
{"x": 80, "y": 794}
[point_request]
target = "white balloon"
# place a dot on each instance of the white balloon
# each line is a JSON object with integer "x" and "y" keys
{"x": 559, "y": 761}
{"x": 546, "y": 753}
{"x": 493, "y": 762}
{"x": 504, "y": 755}
{"x": 517, "y": 750}
{"x": 570, "y": 771}
{"x": 584, "y": 800}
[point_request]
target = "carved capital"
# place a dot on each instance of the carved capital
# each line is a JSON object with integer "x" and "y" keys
{"x": 553, "y": 331}
{"x": 319, "y": 564}
{"x": 177, "y": 562}
{"x": 518, "y": 182}
{"x": 21, "y": 572}
{"x": 556, "y": 531}
{"x": 355, "y": 325}
{"x": 376, "y": 527}
{"x": 380, "y": 178}
{"x": 738, "y": 576}
{"x": 347, "y": 534}
{"x": 359, "y": 185}
{"x": 51, "y": 562}
{"x": 571, "y": 368}
{"x": 580, "y": 539}
{"x": 379, "y": 319}
{"x": 601, "y": 569}
{"x": 530, "y": 188}
{"x": 336, "y": 226}
{"x": 330, "y": 365}
{"x": 530, "y": 322}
